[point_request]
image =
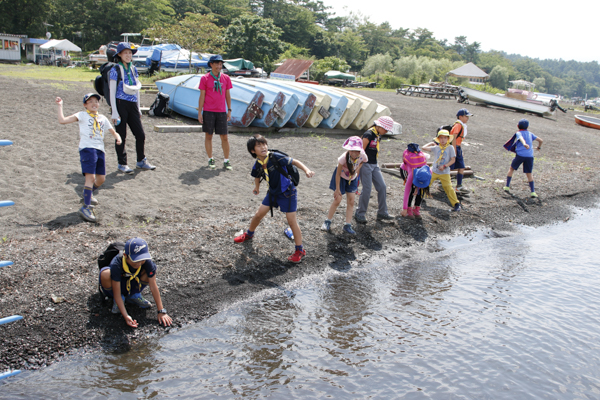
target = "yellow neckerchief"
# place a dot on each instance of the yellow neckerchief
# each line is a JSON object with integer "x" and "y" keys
{"x": 131, "y": 277}
{"x": 355, "y": 164}
{"x": 374, "y": 130}
{"x": 442, "y": 150}
{"x": 96, "y": 123}
{"x": 264, "y": 164}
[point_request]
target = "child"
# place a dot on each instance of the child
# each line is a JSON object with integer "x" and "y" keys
{"x": 522, "y": 143}
{"x": 444, "y": 156}
{"x": 281, "y": 193}
{"x": 412, "y": 159}
{"x": 92, "y": 127}
{"x": 214, "y": 97}
{"x": 125, "y": 99}
{"x": 344, "y": 180}
{"x": 371, "y": 174}
{"x": 458, "y": 133}
{"x": 127, "y": 276}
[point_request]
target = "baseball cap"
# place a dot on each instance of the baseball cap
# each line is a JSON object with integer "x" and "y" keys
{"x": 523, "y": 124}
{"x": 137, "y": 249}
{"x": 87, "y": 97}
{"x": 463, "y": 112}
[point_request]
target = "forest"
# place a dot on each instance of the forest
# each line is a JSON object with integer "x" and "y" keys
{"x": 267, "y": 31}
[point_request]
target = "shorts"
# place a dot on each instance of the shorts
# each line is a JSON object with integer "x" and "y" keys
{"x": 345, "y": 187}
{"x": 286, "y": 201}
{"x": 105, "y": 292}
{"x": 459, "y": 161}
{"x": 214, "y": 122}
{"x": 92, "y": 161}
{"x": 526, "y": 161}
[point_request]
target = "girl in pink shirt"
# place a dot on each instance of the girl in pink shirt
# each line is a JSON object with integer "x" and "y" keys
{"x": 412, "y": 159}
{"x": 345, "y": 180}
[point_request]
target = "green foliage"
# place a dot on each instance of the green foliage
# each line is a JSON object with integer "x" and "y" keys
{"x": 320, "y": 67}
{"x": 378, "y": 63}
{"x": 499, "y": 77}
{"x": 418, "y": 70}
{"x": 292, "y": 51}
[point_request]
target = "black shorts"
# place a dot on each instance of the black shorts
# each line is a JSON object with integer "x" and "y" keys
{"x": 214, "y": 122}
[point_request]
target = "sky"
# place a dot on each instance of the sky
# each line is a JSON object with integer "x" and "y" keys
{"x": 545, "y": 30}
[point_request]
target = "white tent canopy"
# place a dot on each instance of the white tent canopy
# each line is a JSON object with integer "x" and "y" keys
{"x": 64, "y": 45}
{"x": 469, "y": 70}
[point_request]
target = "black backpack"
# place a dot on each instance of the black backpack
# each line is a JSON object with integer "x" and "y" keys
{"x": 160, "y": 107}
{"x": 290, "y": 172}
{"x": 449, "y": 129}
{"x": 113, "y": 250}
{"x": 101, "y": 83}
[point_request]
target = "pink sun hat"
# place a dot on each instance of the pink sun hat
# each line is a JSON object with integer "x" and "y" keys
{"x": 353, "y": 143}
{"x": 386, "y": 123}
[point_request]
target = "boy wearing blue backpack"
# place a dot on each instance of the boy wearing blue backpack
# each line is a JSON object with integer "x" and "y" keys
{"x": 273, "y": 167}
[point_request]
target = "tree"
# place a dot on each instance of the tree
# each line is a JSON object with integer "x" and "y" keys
{"x": 499, "y": 77}
{"x": 254, "y": 38}
{"x": 540, "y": 84}
{"x": 319, "y": 67}
{"x": 379, "y": 63}
{"x": 351, "y": 48}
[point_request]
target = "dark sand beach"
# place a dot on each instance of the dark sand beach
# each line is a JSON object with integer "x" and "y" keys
{"x": 189, "y": 214}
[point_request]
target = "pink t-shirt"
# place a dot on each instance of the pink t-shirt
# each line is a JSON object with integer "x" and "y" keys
{"x": 215, "y": 101}
{"x": 345, "y": 171}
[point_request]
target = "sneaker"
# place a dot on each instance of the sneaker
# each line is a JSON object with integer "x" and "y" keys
{"x": 456, "y": 207}
{"x": 348, "y": 229}
{"x": 144, "y": 164}
{"x": 360, "y": 219}
{"x": 125, "y": 169}
{"x": 115, "y": 308}
{"x": 384, "y": 217}
{"x": 227, "y": 165}
{"x": 506, "y": 188}
{"x": 534, "y": 194}
{"x": 242, "y": 238}
{"x": 87, "y": 213}
{"x": 297, "y": 256}
{"x": 211, "y": 164}
{"x": 326, "y": 226}
{"x": 94, "y": 201}
{"x": 138, "y": 300}
{"x": 461, "y": 189}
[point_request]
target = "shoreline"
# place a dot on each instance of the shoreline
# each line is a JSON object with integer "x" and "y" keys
{"x": 189, "y": 214}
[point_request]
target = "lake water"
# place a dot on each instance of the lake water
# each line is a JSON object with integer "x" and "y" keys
{"x": 484, "y": 317}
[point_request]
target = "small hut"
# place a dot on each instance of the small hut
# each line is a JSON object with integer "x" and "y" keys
{"x": 10, "y": 47}
{"x": 472, "y": 72}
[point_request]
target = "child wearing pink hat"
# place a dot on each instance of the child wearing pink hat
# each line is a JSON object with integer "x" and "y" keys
{"x": 345, "y": 180}
{"x": 412, "y": 159}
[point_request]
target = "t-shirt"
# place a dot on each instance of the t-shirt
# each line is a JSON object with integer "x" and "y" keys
{"x": 214, "y": 100}
{"x": 118, "y": 274}
{"x": 529, "y": 138}
{"x": 130, "y": 77}
{"x": 448, "y": 154}
{"x": 362, "y": 158}
{"x": 456, "y": 130}
{"x": 372, "y": 149}
{"x": 277, "y": 182}
{"x": 88, "y": 137}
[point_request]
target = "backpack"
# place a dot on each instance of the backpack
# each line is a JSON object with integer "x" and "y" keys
{"x": 101, "y": 83}
{"x": 449, "y": 129}
{"x": 113, "y": 250}
{"x": 290, "y": 172}
{"x": 160, "y": 107}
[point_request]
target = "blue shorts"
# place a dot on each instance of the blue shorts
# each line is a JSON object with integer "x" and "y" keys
{"x": 345, "y": 187}
{"x": 526, "y": 161}
{"x": 287, "y": 201}
{"x": 92, "y": 161}
{"x": 459, "y": 161}
{"x": 105, "y": 292}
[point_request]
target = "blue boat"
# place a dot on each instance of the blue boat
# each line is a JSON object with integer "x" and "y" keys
{"x": 272, "y": 105}
{"x": 184, "y": 95}
{"x": 306, "y": 102}
{"x": 339, "y": 104}
{"x": 290, "y": 103}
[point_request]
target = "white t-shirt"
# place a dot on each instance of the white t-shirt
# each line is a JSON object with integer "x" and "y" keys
{"x": 87, "y": 137}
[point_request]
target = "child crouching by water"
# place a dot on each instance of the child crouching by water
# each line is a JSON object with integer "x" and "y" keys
{"x": 281, "y": 190}
{"x": 344, "y": 180}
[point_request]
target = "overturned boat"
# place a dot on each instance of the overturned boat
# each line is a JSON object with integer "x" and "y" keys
{"x": 476, "y": 96}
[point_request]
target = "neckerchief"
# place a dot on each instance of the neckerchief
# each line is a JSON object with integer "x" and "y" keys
{"x": 131, "y": 277}
{"x": 128, "y": 73}
{"x": 374, "y": 130}
{"x": 217, "y": 86}
{"x": 263, "y": 165}
{"x": 442, "y": 150}
{"x": 355, "y": 164}
{"x": 96, "y": 123}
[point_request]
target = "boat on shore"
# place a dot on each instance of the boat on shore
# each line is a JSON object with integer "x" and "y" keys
{"x": 290, "y": 102}
{"x": 590, "y": 122}
{"x": 476, "y": 96}
{"x": 272, "y": 105}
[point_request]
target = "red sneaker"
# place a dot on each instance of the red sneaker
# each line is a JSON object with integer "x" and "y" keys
{"x": 297, "y": 256}
{"x": 242, "y": 238}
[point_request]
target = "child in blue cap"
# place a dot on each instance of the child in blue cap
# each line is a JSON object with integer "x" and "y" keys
{"x": 92, "y": 128}
{"x": 522, "y": 144}
{"x": 128, "y": 274}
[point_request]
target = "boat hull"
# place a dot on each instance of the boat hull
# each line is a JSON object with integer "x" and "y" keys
{"x": 290, "y": 101}
{"x": 590, "y": 122}
{"x": 506, "y": 102}
{"x": 306, "y": 102}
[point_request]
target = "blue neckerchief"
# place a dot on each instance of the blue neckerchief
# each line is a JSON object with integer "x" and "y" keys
{"x": 217, "y": 87}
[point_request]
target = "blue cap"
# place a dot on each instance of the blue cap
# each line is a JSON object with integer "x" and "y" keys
{"x": 215, "y": 58}
{"x": 463, "y": 112}
{"x": 87, "y": 97}
{"x": 422, "y": 177}
{"x": 137, "y": 250}
{"x": 523, "y": 124}
{"x": 414, "y": 148}
{"x": 124, "y": 46}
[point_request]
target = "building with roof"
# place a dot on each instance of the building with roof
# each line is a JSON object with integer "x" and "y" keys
{"x": 298, "y": 68}
{"x": 10, "y": 47}
{"x": 470, "y": 71}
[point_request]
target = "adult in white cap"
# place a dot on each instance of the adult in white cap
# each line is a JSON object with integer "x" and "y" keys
{"x": 128, "y": 274}
{"x": 370, "y": 174}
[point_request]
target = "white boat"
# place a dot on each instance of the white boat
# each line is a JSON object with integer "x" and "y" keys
{"x": 476, "y": 96}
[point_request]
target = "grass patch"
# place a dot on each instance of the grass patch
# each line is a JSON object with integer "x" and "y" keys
{"x": 48, "y": 73}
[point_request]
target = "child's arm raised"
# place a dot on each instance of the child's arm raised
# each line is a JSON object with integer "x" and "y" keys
{"x": 61, "y": 116}
{"x": 116, "y": 135}
{"x": 308, "y": 172}
{"x": 429, "y": 146}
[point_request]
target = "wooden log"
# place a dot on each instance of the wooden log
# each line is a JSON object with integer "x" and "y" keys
{"x": 397, "y": 165}
{"x": 395, "y": 171}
